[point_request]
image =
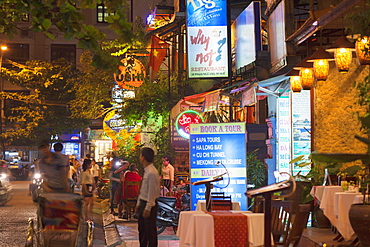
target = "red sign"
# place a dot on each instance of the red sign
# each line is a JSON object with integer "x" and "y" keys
{"x": 184, "y": 120}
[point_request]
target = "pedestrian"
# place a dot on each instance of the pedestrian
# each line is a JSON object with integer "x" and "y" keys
{"x": 129, "y": 191}
{"x": 115, "y": 164}
{"x": 147, "y": 206}
{"x": 168, "y": 173}
{"x": 53, "y": 170}
{"x": 96, "y": 170}
{"x": 88, "y": 186}
{"x": 119, "y": 191}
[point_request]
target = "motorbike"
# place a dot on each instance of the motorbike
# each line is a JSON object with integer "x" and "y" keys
{"x": 168, "y": 214}
{"x": 102, "y": 188}
{"x": 5, "y": 189}
{"x": 35, "y": 187}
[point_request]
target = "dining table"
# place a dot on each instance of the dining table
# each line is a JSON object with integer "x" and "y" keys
{"x": 327, "y": 202}
{"x": 202, "y": 205}
{"x": 197, "y": 228}
{"x": 342, "y": 204}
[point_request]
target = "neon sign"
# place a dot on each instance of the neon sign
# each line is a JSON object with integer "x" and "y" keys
{"x": 184, "y": 120}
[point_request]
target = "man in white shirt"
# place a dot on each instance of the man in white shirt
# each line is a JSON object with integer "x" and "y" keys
{"x": 146, "y": 207}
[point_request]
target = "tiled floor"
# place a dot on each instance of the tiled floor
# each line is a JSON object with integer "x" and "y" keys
{"x": 312, "y": 237}
{"x": 129, "y": 234}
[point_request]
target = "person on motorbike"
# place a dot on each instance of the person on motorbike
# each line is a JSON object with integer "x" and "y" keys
{"x": 54, "y": 171}
{"x": 4, "y": 170}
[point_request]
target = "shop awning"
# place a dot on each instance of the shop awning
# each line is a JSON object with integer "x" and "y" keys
{"x": 281, "y": 84}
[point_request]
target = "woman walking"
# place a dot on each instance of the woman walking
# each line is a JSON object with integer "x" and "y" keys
{"x": 88, "y": 186}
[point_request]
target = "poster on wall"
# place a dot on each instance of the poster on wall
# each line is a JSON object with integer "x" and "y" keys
{"x": 283, "y": 129}
{"x": 207, "y": 39}
{"x": 301, "y": 128}
{"x": 215, "y": 149}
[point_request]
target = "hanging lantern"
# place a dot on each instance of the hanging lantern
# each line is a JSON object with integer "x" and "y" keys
{"x": 306, "y": 73}
{"x": 320, "y": 61}
{"x": 363, "y": 50}
{"x": 295, "y": 81}
{"x": 307, "y": 78}
{"x": 342, "y": 49}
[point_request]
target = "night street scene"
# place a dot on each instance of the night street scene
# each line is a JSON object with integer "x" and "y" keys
{"x": 185, "y": 123}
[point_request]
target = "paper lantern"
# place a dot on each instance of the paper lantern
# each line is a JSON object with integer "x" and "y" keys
{"x": 307, "y": 78}
{"x": 342, "y": 49}
{"x": 363, "y": 50}
{"x": 295, "y": 81}
{"x": 320, "y": 61}
{"x": 306, "y": 73}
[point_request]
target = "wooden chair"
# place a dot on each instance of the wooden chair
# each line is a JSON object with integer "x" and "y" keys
{"x": 299, "y": 224}
{"x": 220, "y": 202}
{"x": 281, "y": 215}
{"x": 258, "y": 204}
{"x": 130, "y": 202}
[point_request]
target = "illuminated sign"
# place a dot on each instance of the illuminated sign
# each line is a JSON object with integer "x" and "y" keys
{"x": 184, "y": 120}
{"x": 132, "y": 73}
{"x": 248, "y": 35}
{"x": 207, "y": 39}
{"x": 215, "y": 149}
{"x": 156, "y": 20}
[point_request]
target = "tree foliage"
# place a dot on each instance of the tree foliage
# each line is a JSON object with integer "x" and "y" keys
{"x": 67, "y": 17}
{"x": 57, "y": 98}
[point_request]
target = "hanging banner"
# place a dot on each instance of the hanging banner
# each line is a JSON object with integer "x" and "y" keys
{"x": 215, "y": 149}
{"x": 249, "y": 97}
{"x": 207, "y": 39}
{"x": 211, "y": 102}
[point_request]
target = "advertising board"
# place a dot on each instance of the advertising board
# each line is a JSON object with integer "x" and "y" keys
{"x": 215, "y": 149}
{"x": 208, "y": 52}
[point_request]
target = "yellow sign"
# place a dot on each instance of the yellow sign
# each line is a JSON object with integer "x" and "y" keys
{"x": 132, "y": 73}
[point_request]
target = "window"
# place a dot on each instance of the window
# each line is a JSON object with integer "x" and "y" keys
{"x": 63, "y": 51}
{"x": 102, "y": 13}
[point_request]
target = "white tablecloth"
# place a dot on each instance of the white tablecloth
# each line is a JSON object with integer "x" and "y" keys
{"x": 201, "y": 205}
{"x": 317, "y": 192}
{"x": 359, "y": 199}
{"x": 196, "y": 229}
{"x": 327, "y": 202}
{"x": 342, "y": 204}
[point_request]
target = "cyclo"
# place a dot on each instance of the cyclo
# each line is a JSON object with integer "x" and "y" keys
{"x": 59, "y": 222}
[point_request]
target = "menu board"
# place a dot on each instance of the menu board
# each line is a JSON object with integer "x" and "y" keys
{"x": 215, "y": 149}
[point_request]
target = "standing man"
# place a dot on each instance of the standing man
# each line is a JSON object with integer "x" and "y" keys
{"x": 146, "y": 207}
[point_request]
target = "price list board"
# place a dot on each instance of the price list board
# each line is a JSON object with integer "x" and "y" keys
{"x": 215, "y": 149}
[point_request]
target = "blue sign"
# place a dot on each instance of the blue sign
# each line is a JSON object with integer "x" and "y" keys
{"x": 215, "y": 149}
{"x": 206, "y": 13}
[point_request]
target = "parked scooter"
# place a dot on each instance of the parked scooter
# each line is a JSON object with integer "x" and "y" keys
{"x": 5, "y": 189}
{"x": 102, "y": 187}
{"x": 167, "y": 215}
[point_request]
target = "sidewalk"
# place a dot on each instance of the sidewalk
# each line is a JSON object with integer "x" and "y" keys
{"x": 112, "y": 231}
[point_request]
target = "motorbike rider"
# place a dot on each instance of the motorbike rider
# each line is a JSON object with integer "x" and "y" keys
{"x": 54, "y": 171}
{"x": 4, "y": 168}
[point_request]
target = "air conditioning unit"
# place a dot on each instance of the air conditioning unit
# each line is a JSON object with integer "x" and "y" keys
{"x": 26, "y": 33}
